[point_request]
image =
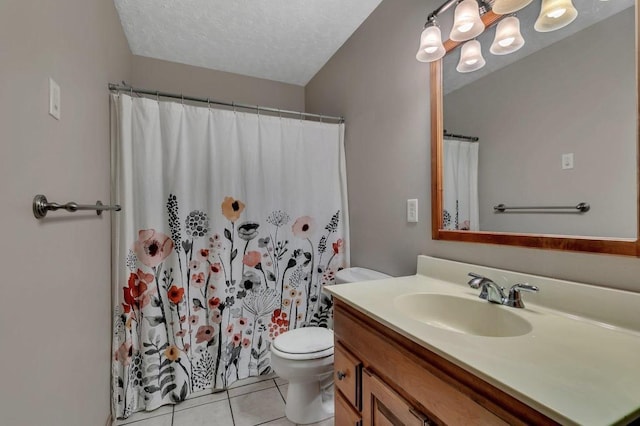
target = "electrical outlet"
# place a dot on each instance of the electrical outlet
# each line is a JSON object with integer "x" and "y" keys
{"x": 54, "y": 99}
{"x": 567, "y": 161}
{"x": 412, "y": 210}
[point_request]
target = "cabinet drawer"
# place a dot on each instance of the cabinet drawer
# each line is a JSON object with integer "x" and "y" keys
{"x": 345, "y": 414}
{"x": 347, "y": 375}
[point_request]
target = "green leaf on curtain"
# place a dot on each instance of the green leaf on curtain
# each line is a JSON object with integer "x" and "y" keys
{"x": 227, "y": 234}
{"x": 168, "y": 389}
{"x": 197, "y": 303}
{"x": 155, "y": 321}
{"x": 151, "y": 389}
{"x": 151, "y": 351}
{"x": 183, "y": 392}
{"x": 234, "y": 253}
{"x": 165, "y": 381}
{"x": 152, "y": 367}
{"x": 271, "y": 276}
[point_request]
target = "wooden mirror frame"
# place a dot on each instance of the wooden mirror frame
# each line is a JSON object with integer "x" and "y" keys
{"x": 626, "y": 247}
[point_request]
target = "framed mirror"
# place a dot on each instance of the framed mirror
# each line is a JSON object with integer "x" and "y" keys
{"x": 555, "y": 128}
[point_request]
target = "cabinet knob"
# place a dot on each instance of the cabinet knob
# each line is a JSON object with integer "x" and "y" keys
{"x": 341, "y": 374}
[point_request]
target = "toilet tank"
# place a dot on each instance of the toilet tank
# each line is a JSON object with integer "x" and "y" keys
{"x": 352, "y": 275}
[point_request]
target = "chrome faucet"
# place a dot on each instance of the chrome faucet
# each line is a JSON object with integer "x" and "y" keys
{"x": 493, "y": 293}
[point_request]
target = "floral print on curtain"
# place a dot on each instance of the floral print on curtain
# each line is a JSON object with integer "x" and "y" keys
{"x": 202, "y": 305}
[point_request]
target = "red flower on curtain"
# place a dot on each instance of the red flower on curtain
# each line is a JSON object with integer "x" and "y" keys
{"x": 175, "y": 294}
{"x": 137, "y": 285}
{"x": 152, "y": 247}
{"x": 337, "y": 246}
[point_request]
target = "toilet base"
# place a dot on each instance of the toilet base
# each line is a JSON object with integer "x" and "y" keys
{"x": 308, "y": 403}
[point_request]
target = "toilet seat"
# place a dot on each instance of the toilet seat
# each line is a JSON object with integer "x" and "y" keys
{"x": 304, "y": 343}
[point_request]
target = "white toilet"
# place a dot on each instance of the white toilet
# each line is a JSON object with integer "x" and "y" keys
{"x": 304, "y": 357}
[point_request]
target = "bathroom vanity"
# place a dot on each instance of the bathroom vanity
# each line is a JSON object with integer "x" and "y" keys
{"x": 426, "y": 350}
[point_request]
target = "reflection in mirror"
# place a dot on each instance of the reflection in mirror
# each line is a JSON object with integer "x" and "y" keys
{"x": 572, "y": 91}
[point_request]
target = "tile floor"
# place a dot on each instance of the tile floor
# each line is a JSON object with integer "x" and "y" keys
{"x": 250, "y": 402}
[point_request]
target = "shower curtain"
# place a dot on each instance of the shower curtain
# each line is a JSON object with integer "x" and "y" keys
{"x": 231, "y": 225}
{"x": 460, "y": 185}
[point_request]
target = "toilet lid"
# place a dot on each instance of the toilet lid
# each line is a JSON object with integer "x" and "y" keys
{"x": 307, "y": 340}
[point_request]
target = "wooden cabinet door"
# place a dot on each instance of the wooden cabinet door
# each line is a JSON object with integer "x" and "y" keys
{"x": 345, "y": 414}
{"x": 347, "y": 375}
{"x": 382, "y": 406}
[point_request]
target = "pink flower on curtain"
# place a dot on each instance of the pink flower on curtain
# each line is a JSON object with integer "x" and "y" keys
{"x": 203, "y": 254}
{"x": 252, "y": 258}
{"x": 303, "y": 227}
{"x": 205, "y": 333}
{"x": 197, "y": 280}
{"x": 124, "y": 353}
{"x": 152, "y": 247}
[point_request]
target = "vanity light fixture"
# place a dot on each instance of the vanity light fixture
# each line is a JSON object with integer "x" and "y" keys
{"x": 508, "y": 38}
{"x": 506, "y": 7}
{"x": 466, "y": 23}
{"x": 555, "y": 14}
{"x": 470, "y": 57}
{"x": 431, "y": 48}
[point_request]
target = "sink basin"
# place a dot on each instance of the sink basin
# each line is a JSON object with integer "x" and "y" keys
{"x": 460, "y": 315}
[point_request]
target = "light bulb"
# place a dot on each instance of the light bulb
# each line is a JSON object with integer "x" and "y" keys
{"x": 507, "y": 41}
{"x": 508, "y": 38}
{"x": 465, "y": 27}
{"x": 431, "y": 48}
{"x": 470, "y": 57}
{"x": 556, "y": 13}
{"x": 506, "y": 7}
{"x": 466, "y": 22}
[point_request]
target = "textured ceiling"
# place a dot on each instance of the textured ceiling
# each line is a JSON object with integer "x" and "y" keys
{"x": 282, "y": 40}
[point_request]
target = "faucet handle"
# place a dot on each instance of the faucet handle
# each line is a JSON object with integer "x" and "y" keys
{"x": 515, "y": 298}
{"x": 476, "y": 281}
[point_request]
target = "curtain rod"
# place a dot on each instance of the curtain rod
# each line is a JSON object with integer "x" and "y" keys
{"x": 461, "y": 137}
{"x": 126, "y": 88}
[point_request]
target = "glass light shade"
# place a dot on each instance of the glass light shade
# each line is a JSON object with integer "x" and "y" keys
{"x": 508, "y": 38}
{"x": 555, "y": 14}
{"x": 470, "y": 57}
{"x": 431, "y": 48}
{"x": 466, "y": 23}
{"x": 505, "y": 7}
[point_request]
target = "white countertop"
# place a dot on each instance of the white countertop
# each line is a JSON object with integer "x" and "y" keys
{"x": 577, "y": 366}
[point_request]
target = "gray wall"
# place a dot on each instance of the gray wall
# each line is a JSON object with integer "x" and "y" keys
{"x": 571, "y": 97}
{"x": 55, "y": 316}
{"x": 376, "y": 83}
{"x": 172, "y": 77}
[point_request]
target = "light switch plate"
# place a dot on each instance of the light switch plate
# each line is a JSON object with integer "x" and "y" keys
{"x": 567, "y": 161}
{"x": 54, "y": 99}
{"x": 412, "y": 210}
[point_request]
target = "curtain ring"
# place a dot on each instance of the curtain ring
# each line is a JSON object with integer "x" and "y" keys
{"x": 157, "y": 96}
{"x": 258, "y": 110}
{"x": 182, "y": 96}
{"x": 233, "y": 104}
{"x": 280, "y": 113}
{"x": 321, "y": 118}
{"x": 208, "y": 103}
{"x": 131, "y": 91}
